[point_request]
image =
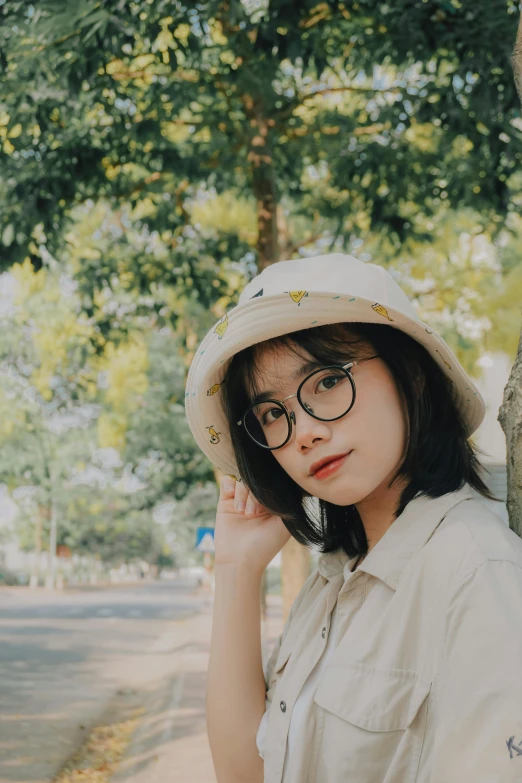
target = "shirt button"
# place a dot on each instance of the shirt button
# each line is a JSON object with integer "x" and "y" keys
{"x": 283, "y": 706}
{"x": 323, "y": 632}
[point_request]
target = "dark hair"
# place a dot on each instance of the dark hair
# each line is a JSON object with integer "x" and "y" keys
{"x": 438, "y": 456}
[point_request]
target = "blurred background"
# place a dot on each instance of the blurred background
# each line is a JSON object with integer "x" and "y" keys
{"x": 154, "y": 157}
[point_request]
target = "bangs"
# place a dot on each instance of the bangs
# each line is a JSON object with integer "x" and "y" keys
{"x": 328, "y": 344}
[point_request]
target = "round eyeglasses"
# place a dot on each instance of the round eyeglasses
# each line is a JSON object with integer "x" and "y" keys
{"x": 326, "y": 394}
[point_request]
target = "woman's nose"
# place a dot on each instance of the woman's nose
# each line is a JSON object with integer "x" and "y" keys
{"x": 306, "y": 428}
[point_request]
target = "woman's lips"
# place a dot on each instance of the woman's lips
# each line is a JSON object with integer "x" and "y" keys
{"x": 330, "y": 467}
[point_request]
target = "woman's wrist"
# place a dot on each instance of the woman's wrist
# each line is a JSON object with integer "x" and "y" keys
{"x": 241, "y": 569}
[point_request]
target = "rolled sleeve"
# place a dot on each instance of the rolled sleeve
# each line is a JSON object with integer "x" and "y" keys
{"x": 478, "y": 735}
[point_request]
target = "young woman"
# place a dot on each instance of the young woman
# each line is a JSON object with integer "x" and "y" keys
{"x": 400, "y": 661}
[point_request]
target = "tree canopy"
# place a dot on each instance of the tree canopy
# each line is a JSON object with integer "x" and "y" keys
{"x": 401, "y": 108}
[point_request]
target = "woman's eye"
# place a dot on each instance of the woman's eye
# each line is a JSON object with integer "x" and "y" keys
{"x": 330, "y": 382}
{"x": 265, "y": 419}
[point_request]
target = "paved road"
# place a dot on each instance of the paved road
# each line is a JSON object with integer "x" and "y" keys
{"x": 63, "y": 656}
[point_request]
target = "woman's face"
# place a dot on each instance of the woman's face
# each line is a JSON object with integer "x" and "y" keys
{"x": 374, "y": 430}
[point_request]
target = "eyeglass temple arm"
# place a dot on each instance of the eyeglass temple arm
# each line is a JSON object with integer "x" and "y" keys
{"x": 360, "y": 361}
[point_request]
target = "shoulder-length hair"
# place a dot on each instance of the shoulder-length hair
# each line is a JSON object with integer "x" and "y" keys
{"x": 438, "y": 458}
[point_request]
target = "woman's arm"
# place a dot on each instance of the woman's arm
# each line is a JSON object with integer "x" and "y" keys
{"x": 235, "y": 681}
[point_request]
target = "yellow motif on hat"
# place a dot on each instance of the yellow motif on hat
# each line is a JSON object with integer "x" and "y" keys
{"x": 221, "y": 326}
{"x": 379, "y": 308}
{"x": 297, "y": 296}
{"x": 214, "y": 436}
{"x": 213, "y": 389}
{"x": 443, "y": 359}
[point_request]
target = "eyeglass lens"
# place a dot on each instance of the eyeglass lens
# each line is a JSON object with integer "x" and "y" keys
{"x": 326, "y": 394}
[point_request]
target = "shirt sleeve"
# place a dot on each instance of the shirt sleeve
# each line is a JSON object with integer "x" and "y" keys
{"x": 478, "y": 736}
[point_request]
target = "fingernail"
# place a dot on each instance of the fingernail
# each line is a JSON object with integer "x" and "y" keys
{"x": 250, "y": 506}
{"x": 240, "y": 505}
{"x": 228, "y": 484}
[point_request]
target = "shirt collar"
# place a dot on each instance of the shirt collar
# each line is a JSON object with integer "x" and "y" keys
{"x": 404, "y": 538}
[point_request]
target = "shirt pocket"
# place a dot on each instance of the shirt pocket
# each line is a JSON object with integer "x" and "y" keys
{"x": 371, "y": 724}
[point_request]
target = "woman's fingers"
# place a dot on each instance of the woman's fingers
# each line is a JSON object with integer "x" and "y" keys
{"x": 230, "y": 489}
{"x": 251, "y": 505}
{"x": 227, "y": 487}
{"x": 244, "y": 501}
{"x": 241, "y": 496}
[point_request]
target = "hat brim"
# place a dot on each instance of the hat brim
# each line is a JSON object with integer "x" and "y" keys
{"x": 270, "y": 316}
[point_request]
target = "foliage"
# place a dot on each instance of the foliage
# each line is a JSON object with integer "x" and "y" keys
{"x": 355, "y": 113}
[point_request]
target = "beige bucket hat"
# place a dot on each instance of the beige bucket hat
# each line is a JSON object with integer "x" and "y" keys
{"x": 298, "y": 294}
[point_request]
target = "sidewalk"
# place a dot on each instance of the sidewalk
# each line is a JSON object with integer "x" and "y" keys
{"x": 171, "y": 742}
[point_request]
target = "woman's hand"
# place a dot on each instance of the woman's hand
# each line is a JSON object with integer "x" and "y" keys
{"x": 246, "y": 533}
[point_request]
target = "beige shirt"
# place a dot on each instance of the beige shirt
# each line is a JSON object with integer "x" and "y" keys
{"x": 425, "y": 682}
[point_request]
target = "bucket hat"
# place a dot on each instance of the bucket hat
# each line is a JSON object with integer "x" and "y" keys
{"x": 299, "y": 294}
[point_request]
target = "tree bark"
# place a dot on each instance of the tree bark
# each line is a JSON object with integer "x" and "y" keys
{"x": 510, "y": 413}
{"x": 266, "y": 199}
{"x": 517, "y": 59}
{"x": 264, "y": 186}
{"x": 510, "y": 419}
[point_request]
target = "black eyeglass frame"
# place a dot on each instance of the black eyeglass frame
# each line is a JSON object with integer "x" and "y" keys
{"x": 290, "y": 415}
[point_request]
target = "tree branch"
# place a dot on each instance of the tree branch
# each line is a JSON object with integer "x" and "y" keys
{"x": 58, "y": 41}
{"x": 345, "y": 88}
{"x": 305, "y": 242}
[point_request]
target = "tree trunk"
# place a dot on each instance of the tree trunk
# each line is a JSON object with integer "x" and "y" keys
{"x": 264, "y": 186}
{"x": 50, "y": 581}
{"x": 295, "y": 565}
{"x": 285, "y": 240}
{"x": 510, "y": 418}
{"x": 35, "y": 575}
{"x": 517, "y": 59}
{"x": 510, "y": 413}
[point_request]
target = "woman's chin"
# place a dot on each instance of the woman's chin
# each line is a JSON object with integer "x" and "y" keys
{"x": 342, "y": 498}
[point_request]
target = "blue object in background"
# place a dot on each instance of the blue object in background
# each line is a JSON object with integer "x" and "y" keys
{"x": 205, "y": 539}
